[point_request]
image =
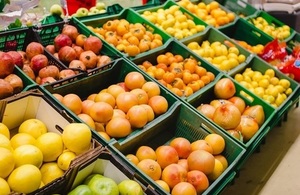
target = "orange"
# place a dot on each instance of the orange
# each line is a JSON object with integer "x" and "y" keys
{"x": 159, "y": 104}
{"x": 58, "y": 97}
{"x": 173, "y": 174}
{"x": 87, "y": 119}
{"x": 182, "y": 146}
{"x": 104, "y": 135}
{"x": 151, "y": 168}
{"x": 201, "y": 160}
{"x": 134, "y": 80}
{"x": 105, "y": 97}
{"x": 73, "y": 102}
{"x": 222, "y": 159}
{"x": 151, "y": 88}
{"x": 141, "y": 95}
{"x": 162, "y": 58}
{"x": 159, "y": 73}
{"x": 86, "y": 106}
{"x": 145, "y": 152}
{"x": 217, "y": 143}
{"x": 137, "y": 116}
{"x": 118, "y": 127}
{"x": 166, "y": 155}
{"x": 118, "y": 113}
{"x": 201, "y": 144}
{"x": 115, "y": 90}
{"x": 101, "y": 112}
{"x": 126, "y": 100}
{"x": 132, "y": 158}
{"x": 91, "y": 96}
{"x": 199, "y": 180}
{"x": 184, "y": 188}
{"x": 183, "y": 162}
{"x": 190, "y": 64}
{"x": 150, "y": 112}
{"x": 163, "y": 185}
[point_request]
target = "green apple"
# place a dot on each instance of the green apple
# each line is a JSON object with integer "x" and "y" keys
{"x": 101, "y": 185}
{"x": 102, "y": 11}
{"x": 82, "y": 12}
{"x": 130, "y": 187}
{"x": 94, "y": 10}
{"x": 100, "y": 5}
{"x": 56, "y": 9}
{"x": 81, "y": 190}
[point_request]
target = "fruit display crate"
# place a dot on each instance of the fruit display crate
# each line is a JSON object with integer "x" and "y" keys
{"x": 184, "y": 122}
{"x": 13, "y": 39}
{"x": 168, "y": 5}
{"x": 129, "y": 15}
{"x": 293, "y": 42}
{"x": 257, "y": 64}
{"x": 47, "y": 33}
{"x": 251, "y": 100}
{"x": 271, "y": 21}
{"x": 214, "y": 35}
{"x": 243, "y": 31}
{"x": 114, "y": 74}
{"x": 176, "y": 48}
{"x": 107, "y": 164}
{"x": 34, "y": 104}
{"x": 205, "y": 5}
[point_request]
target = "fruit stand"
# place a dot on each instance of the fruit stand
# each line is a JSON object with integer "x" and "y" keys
{"x": 157, "y": 97}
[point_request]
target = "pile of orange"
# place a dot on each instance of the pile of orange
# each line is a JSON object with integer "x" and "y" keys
{"x": 119, "y": 109}
{"x": 127, "y": 37}
{"x": 183, "y": 167}
{"x": 210, "y": 13}
{"x": 183, "y": 76}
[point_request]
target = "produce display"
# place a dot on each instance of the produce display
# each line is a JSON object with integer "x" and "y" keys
{"x": 100, "y": 184}
{"x": 232, "y": 113}
{"x": 181, "y": 110}
{"x": 174, "y": 21}
{"x": 129, "y": 38}
{"x": 183, "y": 76}
{"x": 265, "y": 85}
{"x": 119, "y": 109}
{"x": 183, "y": 166}
{"x": 34, "y": 156}
{"x": 211, "y": 13}
{"x": 222, "y": 55}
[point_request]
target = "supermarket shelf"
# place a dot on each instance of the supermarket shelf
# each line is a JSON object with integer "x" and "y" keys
{"x": 269, "y": 172}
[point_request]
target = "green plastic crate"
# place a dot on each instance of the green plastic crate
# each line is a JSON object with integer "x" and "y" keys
{"x": 113, "y": 74}
{"x": 131, "y": 16}
{"x": 240, "y": 7}
{"x": 251, "y": 100}
{"x": 170, "y": 3}
{"x": 213, "y": 35}
{"x": 257, "y": 64}
{"x": 106, "y": 163}
{"x": 295, "y": 40}
{"x": 243, "y": 31}
{"x": 176, "y": 47}
{"x": 271, "y": 21}
{"x": 182, "y": 121}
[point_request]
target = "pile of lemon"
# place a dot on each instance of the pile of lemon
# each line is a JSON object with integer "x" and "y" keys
{"x": 34, "y": 156}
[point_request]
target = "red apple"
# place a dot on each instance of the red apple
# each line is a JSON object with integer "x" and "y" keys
{"x": 66, "y": 54}
{"x": 33, "y": 49}
{"x": 18, "y": 59}
{"x": 7, "y": 64}
{"x": 24, "y": 56}
{"x": 93, "y": 43}
{"x": 71, "y": 31}
{"x": 38, "y": 62}
{"x": 62, "y": 40}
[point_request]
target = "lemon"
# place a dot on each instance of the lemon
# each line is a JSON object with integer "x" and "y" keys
{"x": 4, "y": 142}
{"x": 65, "y": 159}
{"x": 51, "y": 145}
{"x": 4, "y": 130}
{"x": 34, "y": 127}
{"x": 21, "y": 139}
{"x": 25, "y": 179}
{"x": 4, "y": 187}
{"x": 50, "y": 171}
{"x": 7, "y": 162}
{"x": 75, "y": 133}
{"x": 218, "y": 170}
{"x": 28, "y": 154}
